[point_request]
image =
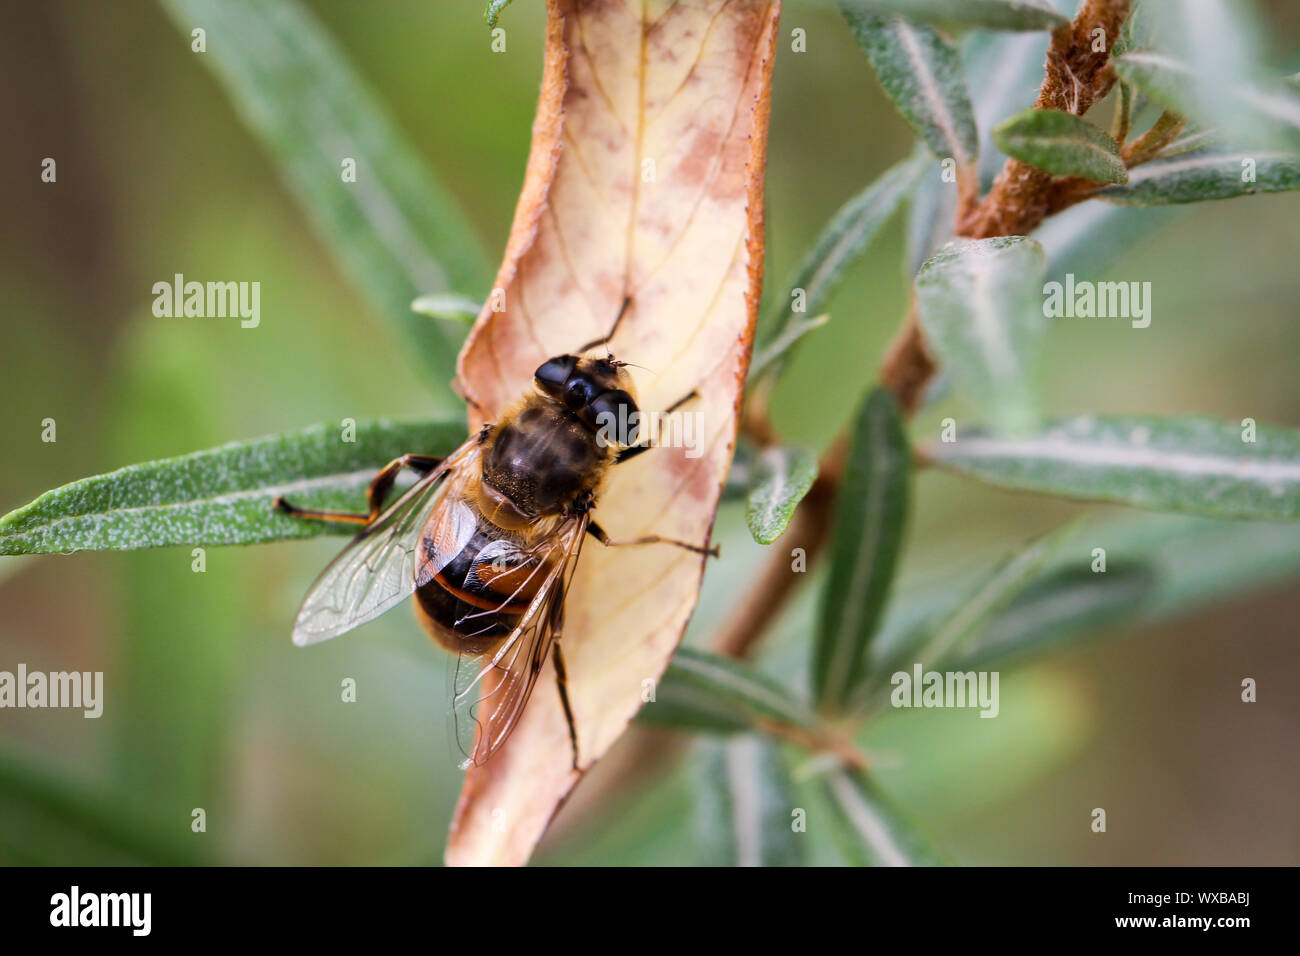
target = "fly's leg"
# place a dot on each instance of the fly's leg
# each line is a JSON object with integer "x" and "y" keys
{"x": 379, "y": 487}
{"x": 629, "y": 453}
{"x": 562, "y": 681}
{"x": 597, "y": 532}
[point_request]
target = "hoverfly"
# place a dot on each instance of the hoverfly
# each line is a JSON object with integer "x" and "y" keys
{"x": 487, "y": 540}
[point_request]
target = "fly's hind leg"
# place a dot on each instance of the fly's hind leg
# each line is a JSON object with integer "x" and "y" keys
{"x": 597, "y": 532}
{"x": 379, "y": 487}
{"x": 562, "y": 681}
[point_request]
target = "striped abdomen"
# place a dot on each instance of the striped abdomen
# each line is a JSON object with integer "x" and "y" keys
{"x": 474, "y": 580}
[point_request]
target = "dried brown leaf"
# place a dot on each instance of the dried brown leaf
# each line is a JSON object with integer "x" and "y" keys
{"x": 645, "y": 180}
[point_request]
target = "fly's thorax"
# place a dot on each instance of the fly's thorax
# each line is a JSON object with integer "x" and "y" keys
{"x": 540, "y": 461}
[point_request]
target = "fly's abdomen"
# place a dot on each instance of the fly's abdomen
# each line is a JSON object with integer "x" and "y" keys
{"x": 474, "y": 581}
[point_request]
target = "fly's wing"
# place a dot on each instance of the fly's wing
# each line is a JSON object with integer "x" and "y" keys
{"x": 491, "y": 687}
{"x": 377, "y": 570}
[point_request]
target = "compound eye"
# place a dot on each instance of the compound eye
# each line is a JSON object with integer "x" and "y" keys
{"x": 616, "y": 414}
{"x": 553, "y": 373}
{"x": 579, "y": 392}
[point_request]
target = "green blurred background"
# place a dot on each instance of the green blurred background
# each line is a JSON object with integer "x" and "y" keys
{"x": 208, "y": 704}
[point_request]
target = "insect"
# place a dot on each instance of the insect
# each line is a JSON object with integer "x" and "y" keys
{"x": 487, "y": 540}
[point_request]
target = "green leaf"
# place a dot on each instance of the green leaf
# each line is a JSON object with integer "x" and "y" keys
{"x": 745, "y": 805}
{"x": 980, "y": 305}
{"x": 781, "y": 477}
{"x": 1190, "y": 465}
{"x": 1248, "y": 110}
{"x": 1205, "y": 175}
{"x": 222, "y": 495}
{"x": 702, "y": 691}
{"x": 872, "y": 831}
{"x": 870, "y": 516}
{"x": 1057, "y": 609}
{"x": 1089, "y": 237}
{"x": 839, "y": 246}
{"x": 493, "y": 11}
{"x": 1062, "y": 144}
{"x": 1005, "y": 71}
{"x": 396, "y": 230}
{"x": 772, "y": 356}
{"x": 447, "y": 307}
{"x": 1194, "y": 562}
{"x": 988, "y": 14}
{"x": 937, "y": 643}
{"x": 922, "y": 73}
{"x": 106, "y": 819}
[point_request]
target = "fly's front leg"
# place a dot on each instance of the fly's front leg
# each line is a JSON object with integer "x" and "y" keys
{"x": 597, "y": 532}
{"x": 629, "y": 453}
{"x": 380, "y": 485}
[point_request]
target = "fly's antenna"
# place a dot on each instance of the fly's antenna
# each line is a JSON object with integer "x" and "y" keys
{"x": 605, "y": 339}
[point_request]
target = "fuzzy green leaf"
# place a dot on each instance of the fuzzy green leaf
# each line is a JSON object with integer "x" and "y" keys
{"x": 1247, "y": 109}
{"x": 980, "y": 304}
{"x": 986, "y": 14}
{"x": 871, "y": 830}
{"x": 839, "y": 246}
{"x": 222, "y": 495}
{"x": 493, "y": 11}
{"x": 922, "y": 73}
{"x": 781, "y": 477}
{"x": 1205, "y": 175}
{"x": 702, "y": 691}
{"x": 1062, "y": 144}
{"x": 937, "y": 643}
{"x": 1189, "y": 465}
{"x": 1057, "y": 609}
{"x": 870, "y": 516}
{"x": 396, "y": 230}
{"x": 447, "y": 307}
{"x": 745, "y": 805}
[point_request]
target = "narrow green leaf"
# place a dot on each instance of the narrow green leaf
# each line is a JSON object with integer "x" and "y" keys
{"x": 1194, "y": 562}
{"x": 1189, "y": 465}
{"x": 447, "y": 307}
{"x": 1248, "y": 110}
{"x": 493, "y": 11}
{"x": 1089, "y": 237}
{"x": 781, "y": 477}
{"x": 703, "y": 691}
{"x": 107, "y": 819}
{"x": 774, "y": 354}
{"x": 839, "y": 246}
{"x": 396, "y": 230}
{"x": 872, "y": 831}
{"x": 987, "y": 14}
{"x": 931, "y": 218}
{"x": 937, "y": 643}
{"x": 1005, "y": 71}
{"x": 1062, "y": 144}
{"x": 980, "y": 304}
{"x": 1191, "y": 141}
{"x": 746, "y": 805}
{"x": 1206, "y": 175}
{"x": 870, "y": 516}
{"x": 922, "y": 73}
{"x": 1057, "y": 609}
{"x": 222, "y": 495}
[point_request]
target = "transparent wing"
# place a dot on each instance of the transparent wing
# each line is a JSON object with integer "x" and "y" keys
{"x": 376, "y": 571}
{"x": 492, "y": 686}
